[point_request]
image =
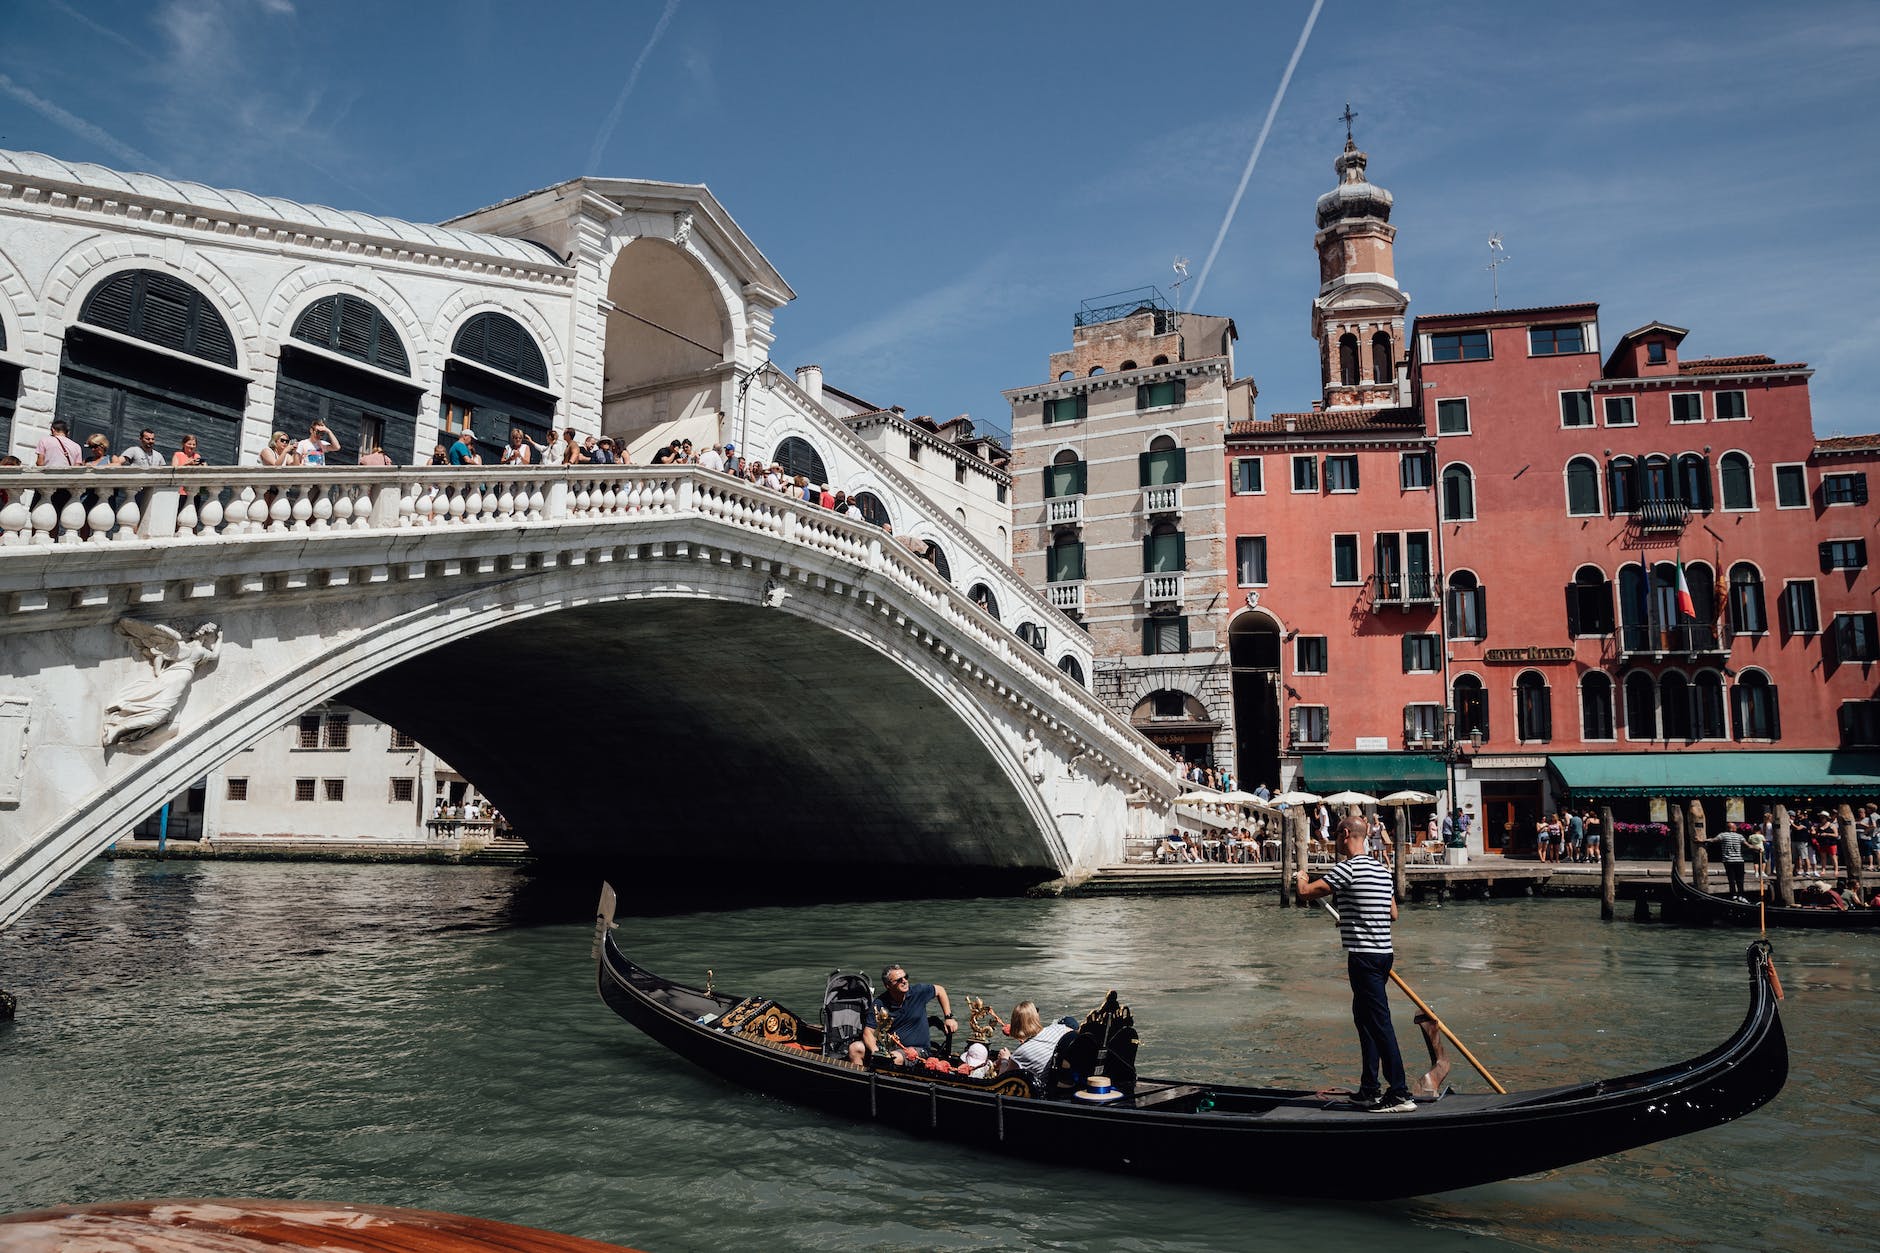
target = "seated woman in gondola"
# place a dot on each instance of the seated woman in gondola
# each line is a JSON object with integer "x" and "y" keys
{"x": 1036, "y": 1044}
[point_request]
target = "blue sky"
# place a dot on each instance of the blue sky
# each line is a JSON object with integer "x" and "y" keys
{"x": 942, "y": 184}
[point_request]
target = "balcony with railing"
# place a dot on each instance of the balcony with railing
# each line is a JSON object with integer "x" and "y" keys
{"x": 1166, "y": 498}
{"x": 1661, "y": 515}
{"x": 1162, "y": 588}
{"x": 1407, "y": 591}
{"x": 1066, "y": 596}
{"x": 1064, "y": 511}
{"x": 1687, "y": 639}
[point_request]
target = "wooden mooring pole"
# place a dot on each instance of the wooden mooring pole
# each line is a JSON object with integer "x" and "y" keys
{"x": 1699, "y": 828}
{"x": 1784, "y": 858}
{"x": 1608, "y": 865}
{"x": 1850, "y": 848}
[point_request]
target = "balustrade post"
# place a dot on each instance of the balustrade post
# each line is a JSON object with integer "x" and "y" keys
{"x": 159, "y": 508}
{"x": 557, "y": 503}
{"x": 789, "y": 525}
{"x": 686, "y": 488}
{"x": 385, "y": 504}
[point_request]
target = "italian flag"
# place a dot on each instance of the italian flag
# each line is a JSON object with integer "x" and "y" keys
{"x": 1686, "y": 606}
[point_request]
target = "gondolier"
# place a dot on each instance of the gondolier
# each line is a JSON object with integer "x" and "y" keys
{"x": 1729, "y": 842}
{"x": 1367, "y": 905}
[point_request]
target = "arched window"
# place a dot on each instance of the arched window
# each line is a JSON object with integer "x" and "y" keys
{"x": 1160, "y": 359}
{"x": 1471, "y": 706}
{"x": 1534, "y": 708}
{"x": 1641, "y": 706}
{"x": 1589, "y": 603}
{"x": 1622, "y": 486}
{"x": 1069, "y": 665}
{"x": 1458, "y": 494}
{"x": 1746, "y": 600}
{"x": 982, "y": 596}
{"x": 1758, "y": 716}
{"x": 872, "y": 509}
{"x": 1739, "y": 486}
{"x": 1694, "y": 481}
{"x": 1700, "y": 632}
{"x": 1582, "y": 487}
{"x": 112, "y": 384}
{"x": 1655, "y": 479}
{"x": 1032, "y": 634}
{"x": 1595, "y": 706}
{"x": 163, "y": 310}
{"x": 1635, "y": 630}
{"x": 1383, "y": 369}
{"x": 353, "y": 327}
{"x": 1674, "y": 706}
{"x": 1066, "y": 374}
{"x": 1127, "y": 365}
{"x": 1466, "y": 607}
{"x": 936, "y": 556}
{"x": 1348, "y": 359}
{"x": 501, "y": 343}
{"x": 362, "y": 409}
{"x": 799, "y": 456}
{"x": 1707, "y": 706}
{"x": 1095, "y": 370}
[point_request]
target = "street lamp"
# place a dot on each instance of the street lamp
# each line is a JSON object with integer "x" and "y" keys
{"x": 1454, "y": 752}
{"x": 744, "y": 404}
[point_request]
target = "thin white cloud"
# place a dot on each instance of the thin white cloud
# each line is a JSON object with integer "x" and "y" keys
{"x": 606, "y": 133}
{"x": 76, "y": 125}
{"x": 98, "y": 27}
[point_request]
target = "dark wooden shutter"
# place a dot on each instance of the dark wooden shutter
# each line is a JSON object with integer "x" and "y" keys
{"x": 1573, "y": 610}
{"x": 1292, "y": 724}
{"x": 1181, "y": 465}
{"x": 1181, "y": 550}
{"x": 1148, "y": 554}
{"x": 1142, "y": 468}
{"x": 1826, "y": 552}
{"x": 1860, "y": 553}
{"x": 1775, "y": 714}
{"x": 1409, "y": 722}
{"x": 1859, "y": 480}
{"x": 502, "y": 343}
{"x": 1081, "y": 478}
{"x": 1408, "y": 658}
{"x": 1544, "y": 702}
{"x": 110, "y": 303}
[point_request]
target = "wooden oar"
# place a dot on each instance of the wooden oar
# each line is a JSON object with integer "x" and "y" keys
{"x": 1435, "y": 1018}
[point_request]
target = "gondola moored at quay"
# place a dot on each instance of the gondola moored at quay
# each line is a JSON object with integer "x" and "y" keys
{"x": 1690, "y": 903}
{"x": 1305, "y": 1142}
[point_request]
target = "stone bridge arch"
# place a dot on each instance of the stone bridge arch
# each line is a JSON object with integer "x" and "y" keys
{"x": 616, "y": 687}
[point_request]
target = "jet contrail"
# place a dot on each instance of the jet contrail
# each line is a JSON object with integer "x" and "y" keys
{"x": 67, "y": 120}
{"x": 1271, "y": 112}
{"x": 633, "y": 76}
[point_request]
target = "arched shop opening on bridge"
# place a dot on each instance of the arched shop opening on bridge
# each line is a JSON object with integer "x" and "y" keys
{"x": 669, "y": 349}
{"x": 149, "y": 350}
{"x": 1179, "y": 723}
{"x": 345, "y": 365}
{"x": 495, "y": 380}
{"x": 10, "y": 372}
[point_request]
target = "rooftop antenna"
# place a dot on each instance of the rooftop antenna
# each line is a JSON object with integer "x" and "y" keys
{"x": 1181, "y": 276}
{"x": 1497, "y": 257}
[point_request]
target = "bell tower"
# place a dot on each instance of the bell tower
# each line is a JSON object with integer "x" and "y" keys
{"x": 1358, "y": 317}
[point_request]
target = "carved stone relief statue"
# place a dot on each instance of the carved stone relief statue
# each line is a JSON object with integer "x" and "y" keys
{"x": 149, "y": 700}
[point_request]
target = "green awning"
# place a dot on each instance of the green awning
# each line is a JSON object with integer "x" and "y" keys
{"x": 1688, "y": 775}
{"x": 1375, "y": 773}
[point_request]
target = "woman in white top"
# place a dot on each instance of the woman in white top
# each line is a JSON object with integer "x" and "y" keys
{"x": 1036, "y": 1044}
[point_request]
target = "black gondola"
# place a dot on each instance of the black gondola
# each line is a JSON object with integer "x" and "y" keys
{"x": 1292, "y": 1143}
{"x": 1690, "y": 903}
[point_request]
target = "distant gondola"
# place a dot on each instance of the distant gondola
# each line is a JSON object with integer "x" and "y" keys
{"x": 1288, "y": 1142}
{"x": 1690, "y": 903}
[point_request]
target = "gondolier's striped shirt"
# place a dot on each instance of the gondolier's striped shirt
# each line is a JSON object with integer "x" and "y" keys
{"x": 1362, "y": 891}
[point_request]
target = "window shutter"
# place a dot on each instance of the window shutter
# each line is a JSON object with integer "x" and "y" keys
{"x": 1481, "y": 611}
{"x": 1181, "y": 465}
{"x": 1181, "y": 550}
{"x": 1775, "y": 714}
{"x": 1406, "y": 656}
{"x": 1292, "y": 724}
{"x": 1142, "y": 395}
{"x": 1325, "y": 726}
{"x": 1182, "y": 630}
{"x": 1409, "y": 723}
{"x": 1860, "y": 552}
{"x": 315, "y": 325}
{"x": 1050, "y": 482}
{"x": 1826, "y": 551}
{"x": 1844, "y": 716}
{"x": 1181, "y": 391}
{"x": 1143, "y": 462}
{"x": 1544, "y": 701}
{"x": 1148, "y": 554}
{"x": 1860, "y": 487}
{"x": 1573, "y": 610}
{"x": 1148, "y": 637}
{"x": 1080, "y": 478}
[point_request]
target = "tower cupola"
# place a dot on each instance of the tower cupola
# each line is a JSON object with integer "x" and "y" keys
{"x": 1358, "y": 318}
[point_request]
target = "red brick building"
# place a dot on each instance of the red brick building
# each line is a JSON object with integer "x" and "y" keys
{"x": 1537, "y": 553}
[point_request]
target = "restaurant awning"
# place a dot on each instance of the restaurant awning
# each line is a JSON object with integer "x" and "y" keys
{"x": 1376, "y": 773}
{"x": 1688, "y": 775}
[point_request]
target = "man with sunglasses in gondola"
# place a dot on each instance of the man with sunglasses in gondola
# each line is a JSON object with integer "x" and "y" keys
{"x": 906, "y": 1003}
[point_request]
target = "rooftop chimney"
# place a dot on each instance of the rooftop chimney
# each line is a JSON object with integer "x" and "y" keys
{"x": 809, "y": 378}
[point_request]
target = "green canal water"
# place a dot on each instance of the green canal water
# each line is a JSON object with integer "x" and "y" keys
{"x": 429, "y": 1036}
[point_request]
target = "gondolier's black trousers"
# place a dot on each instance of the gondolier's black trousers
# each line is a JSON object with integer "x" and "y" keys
{"x": 1370, "y": 1011}
{"x": 1733, "y": 871}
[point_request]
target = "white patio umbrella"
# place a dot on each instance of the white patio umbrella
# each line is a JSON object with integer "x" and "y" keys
{"x": 1295, "y": 798}
{"x": 1408, "y": 796}
{"x": 1247, "y": 799}
{"x": 1350, "y": 798}
{"x": 1198, "y": 798}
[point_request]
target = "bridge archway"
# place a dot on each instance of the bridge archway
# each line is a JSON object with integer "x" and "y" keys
{"x": 1254, "y": 641}
{"x": 668, "y": 347}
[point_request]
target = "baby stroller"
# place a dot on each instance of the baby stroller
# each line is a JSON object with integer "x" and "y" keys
{"x": 848, "y": 1006}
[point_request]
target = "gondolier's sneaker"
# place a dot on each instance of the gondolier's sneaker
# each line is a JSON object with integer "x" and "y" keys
{"x": 1366, "y": 1100}
{"x": 1394, "y": 1103}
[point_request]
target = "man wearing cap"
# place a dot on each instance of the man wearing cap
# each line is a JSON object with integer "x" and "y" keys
{"x": 906, "y": 1004}
{"x": 1367, "y": 906}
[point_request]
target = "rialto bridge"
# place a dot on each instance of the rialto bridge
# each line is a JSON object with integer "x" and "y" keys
{"x": 675, "y": 669}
